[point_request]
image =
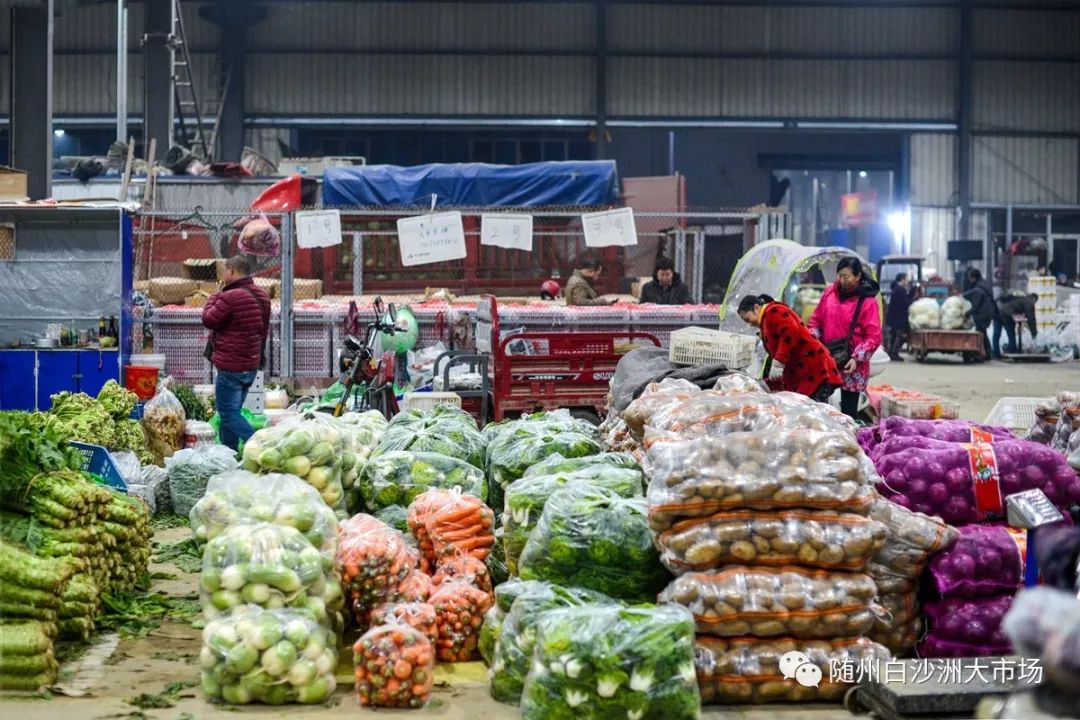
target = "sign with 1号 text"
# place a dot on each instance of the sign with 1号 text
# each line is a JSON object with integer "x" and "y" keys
{"x": 432, "y": 238}
{"x": 318, "y": 228}
{"x": 610, "y": 227}
{"x": 513, "y": 232}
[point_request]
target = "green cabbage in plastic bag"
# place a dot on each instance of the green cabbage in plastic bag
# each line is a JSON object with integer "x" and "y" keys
{"x": 396, "y": 478}
{"x": 190, "y": 470}
{"x": 513, "y": 452}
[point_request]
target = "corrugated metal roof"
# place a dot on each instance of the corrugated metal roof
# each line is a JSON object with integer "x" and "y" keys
{"x": 420, "y": 85}
{"x": 1027, "y": 96}
{"x": 931, "y": 229}
{"x": 781, "y": 88}
{"x": 1027, "y": 33}
{"x": 663, "y": 27}
{"x": 86, "y": 84}
{"x": 1026, "y": 170}
{"x": 93, "y": 27}
{"x": 427, "y": 26}
{"x": 933, "y": 169}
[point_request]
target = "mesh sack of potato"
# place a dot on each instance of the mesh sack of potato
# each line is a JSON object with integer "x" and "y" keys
{"x": 656, "y": 396}
{"x": 912, "y": 538}
{"x": 747, "y": 670}
{"x": 900, "y": 625}
{"x": 786, "y": 469}
{"x": 822, "y": 539}
{"x": 770, "y": 602}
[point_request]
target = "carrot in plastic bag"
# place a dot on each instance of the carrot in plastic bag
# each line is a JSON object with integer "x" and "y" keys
{"x": 416, "y": 587}
{"x": 394, "y": 667}
{"x": 420, "y": 510}
{"x": 464, "y": 524}
{"x": 417, "y": 615}
{"x": 459, "y": 608}
{"x": 375, "y": 559}
{"x": 465, "y": 568}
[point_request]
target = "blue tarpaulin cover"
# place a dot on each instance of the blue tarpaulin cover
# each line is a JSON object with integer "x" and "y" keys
{"x": 473, "y": 184}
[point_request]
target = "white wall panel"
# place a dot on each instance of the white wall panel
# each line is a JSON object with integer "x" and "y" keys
{"x": 428, "y": 26}
{"x": 1027, "y": 96}
{"x": 1026, "y": 170}
{"x": 420, "y": 85}
{"x": 781, "y": 88}
{"x": 933, "y": 169}
{"x": 931, "y": 229}
{"x": 661, "y": 27}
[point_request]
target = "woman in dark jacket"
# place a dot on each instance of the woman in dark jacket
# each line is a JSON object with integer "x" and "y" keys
{"x": 809, "y": 369}
{"x": 896, "y": 317}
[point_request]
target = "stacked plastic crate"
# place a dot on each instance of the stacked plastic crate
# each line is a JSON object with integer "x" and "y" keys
{"x": 1046, "y": 307}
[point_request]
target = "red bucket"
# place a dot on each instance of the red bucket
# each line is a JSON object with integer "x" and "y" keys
{"x": 141, "y": 380}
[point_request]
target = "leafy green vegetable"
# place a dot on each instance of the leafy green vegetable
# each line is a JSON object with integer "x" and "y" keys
{"x": 557, "y": 464}
{"x": 119, "y": 402}
{"x": 526, "y": 443}
{"x": 590, "y": 537}
{"x": 83, "y": 418}
{"x": 194, "y": 408}
{"x": 517, "y": 635}
{"x": 136, "y": 614}
{"x": 396, "y": 478}
{"x": 489, "y": 633}
{"x": 395, "y": 516}
{"x": 613, "y": 662}
{"x": 449, "y": 432}
{"x": 165, "y": 699}
{"x": 184, "y": 554}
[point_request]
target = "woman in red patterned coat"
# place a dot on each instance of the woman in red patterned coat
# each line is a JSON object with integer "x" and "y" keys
{"x": 809, "y": 368}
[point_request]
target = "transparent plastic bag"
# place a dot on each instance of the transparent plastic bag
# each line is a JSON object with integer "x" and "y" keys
{"x": 766, "y": 602}
{"x": 975, "y": 622}
{"x": 241, "y": 496}
{"x": 163, "y": 423}
{"x": 738, "y": 383}
{"x": 526, "y": 497}
{"x": 156, "y": 479}
{"x": 598, "y": 464}
{"x": 127, "y": 463}
{"x": 751, "y": 671}
{"x": 609, "y": 661}
{"x": 374, "y": 559}
{"x": 394, "y": 666}
{"x": 1068, "y": 420}
{"x": 449, "y": 438}
{"x": 758, "y": 470}
{"x": 398, "y": 477}
{"x": 656, "y": 397}
{"x": 395, "y": 516}
{"x": 985, "y": 560}
{"x": 821, "y": 539}
{"x": 512, "y": 453}
{"x": 420, "y": 616}
{"x": 190, "y": 471}
{"x": 314, "y": 447}
{"x": 924, "y": 314}
{"x": 198, "y": 434}
{"x": 416, "y": 587}
{"x": 442, "y": 414}
{"x": 463, "y": 568}
{"x": 1045, "y": 623}
{"x": 901, "y": 624}
{"x": 489, "y": 633}
{"x": 272, "y": 566}
{"x": 591, "y": 537}
{"x": 462, "y": 525}
{"x": 513, "y": 652}
{"x": 366, "y": 428}
{"x": 1047, "y": 415}
{"x": 955, "y": 313}
{"x": 276, "y": 657}
{"x": 419, "y": 511}
{"x": 912, "y": 538}
{"x": 460, "y": 609}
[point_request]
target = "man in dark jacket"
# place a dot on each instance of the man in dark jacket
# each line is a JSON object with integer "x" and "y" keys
{"x": 666, "y": 288}
{"x": 984, "y": 310}
{"x": 896, "y": 317}
{"x": 1010, "y": 305}
{"x": 238, "y": 318}
{"x": 579, "y": 288}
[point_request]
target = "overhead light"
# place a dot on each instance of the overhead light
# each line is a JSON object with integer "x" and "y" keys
{"x": 899, "y": 223}
{"x": 862, "y": 173}
{"x": 58, "y": 132}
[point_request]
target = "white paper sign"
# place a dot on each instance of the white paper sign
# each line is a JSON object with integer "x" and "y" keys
{"x": 610, "y": 227}
{"x": 513, "y": 232}
{"x": 428, "y": 239}
{"x": 318, "y": 228}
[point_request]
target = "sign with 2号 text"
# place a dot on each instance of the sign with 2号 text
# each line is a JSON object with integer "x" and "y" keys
{"x": 434, "y": 238}
{"x": 513, "y": 232}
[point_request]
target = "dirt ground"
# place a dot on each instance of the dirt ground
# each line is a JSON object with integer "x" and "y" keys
{"x": 170, "y": 653}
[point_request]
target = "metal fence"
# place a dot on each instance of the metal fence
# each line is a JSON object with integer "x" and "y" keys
{"x": 177, "y": 256}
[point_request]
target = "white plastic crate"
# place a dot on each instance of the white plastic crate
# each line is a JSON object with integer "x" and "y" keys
{"x": 929, "y": 408}
{"x": 428, "y": 400}
{"x": 1015, "y": 413}
{"x": 702, "y": 346}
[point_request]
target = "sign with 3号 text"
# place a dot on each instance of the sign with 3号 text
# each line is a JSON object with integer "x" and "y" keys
{"x": 513, "y": 232}
{"x": 435, "y": 238}
{"x": 318, "y": 228}
{"x": 609, "y": 227}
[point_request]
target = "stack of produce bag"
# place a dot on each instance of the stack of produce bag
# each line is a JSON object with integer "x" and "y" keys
{"x": 976, "y": 579}
{"x": 365, "y": 429}
{"x": 190, "y": 470}
{"x": 959, "y": 431}
{"x": 272, "y": 566}
{"x": 26, "y": 655}
{"x": 394, "y": 666}
{"x": 912, "y": 539}
{"x": 314, "y": 447}
{"x": 759, "y": 503}
{"x": 956, "y": 314}
{"x": 515, "y": 446}
{"x": 1044, "y": 623}
{"x": 374, "y": 559}
{"x": 925, "y": 314}
{"x": 527, "y": 496}
{"x": 241, "y": 496}
{"x": 445, "y": 430}
{"x": 273, "y": 656}
{"x": 1048, "y": 416}
{"x": 397, "y": 477}
{"x": 607, "y": 661}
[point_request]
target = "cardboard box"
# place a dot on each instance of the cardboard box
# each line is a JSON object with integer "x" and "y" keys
{"x": 203, "y": 268}
{"x": 305, "y": 289}
{"x": 12, "y": 183}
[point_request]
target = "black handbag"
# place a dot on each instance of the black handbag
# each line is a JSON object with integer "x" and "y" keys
{"x": 840, "y": 348}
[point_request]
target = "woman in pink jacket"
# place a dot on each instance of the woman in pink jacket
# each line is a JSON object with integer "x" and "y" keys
{"x": 848, "y": 310}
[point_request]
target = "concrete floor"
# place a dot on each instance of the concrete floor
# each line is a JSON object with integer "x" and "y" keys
{"x": 170, "y": 653}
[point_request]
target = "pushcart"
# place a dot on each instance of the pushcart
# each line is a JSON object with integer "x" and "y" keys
{"x": 968, "y": 343}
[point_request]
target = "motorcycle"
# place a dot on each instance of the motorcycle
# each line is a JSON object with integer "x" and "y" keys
{"x": 368, "y": 380}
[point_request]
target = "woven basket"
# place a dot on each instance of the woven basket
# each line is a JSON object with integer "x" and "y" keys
{"x": 203, "y": 268}
{"x": 272, "y": 286}
{"x": 304, "y": 289}
{"x": 171, "y": 290}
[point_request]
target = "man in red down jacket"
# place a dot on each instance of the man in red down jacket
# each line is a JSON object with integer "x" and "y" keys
{"x": 238, "y": 318}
